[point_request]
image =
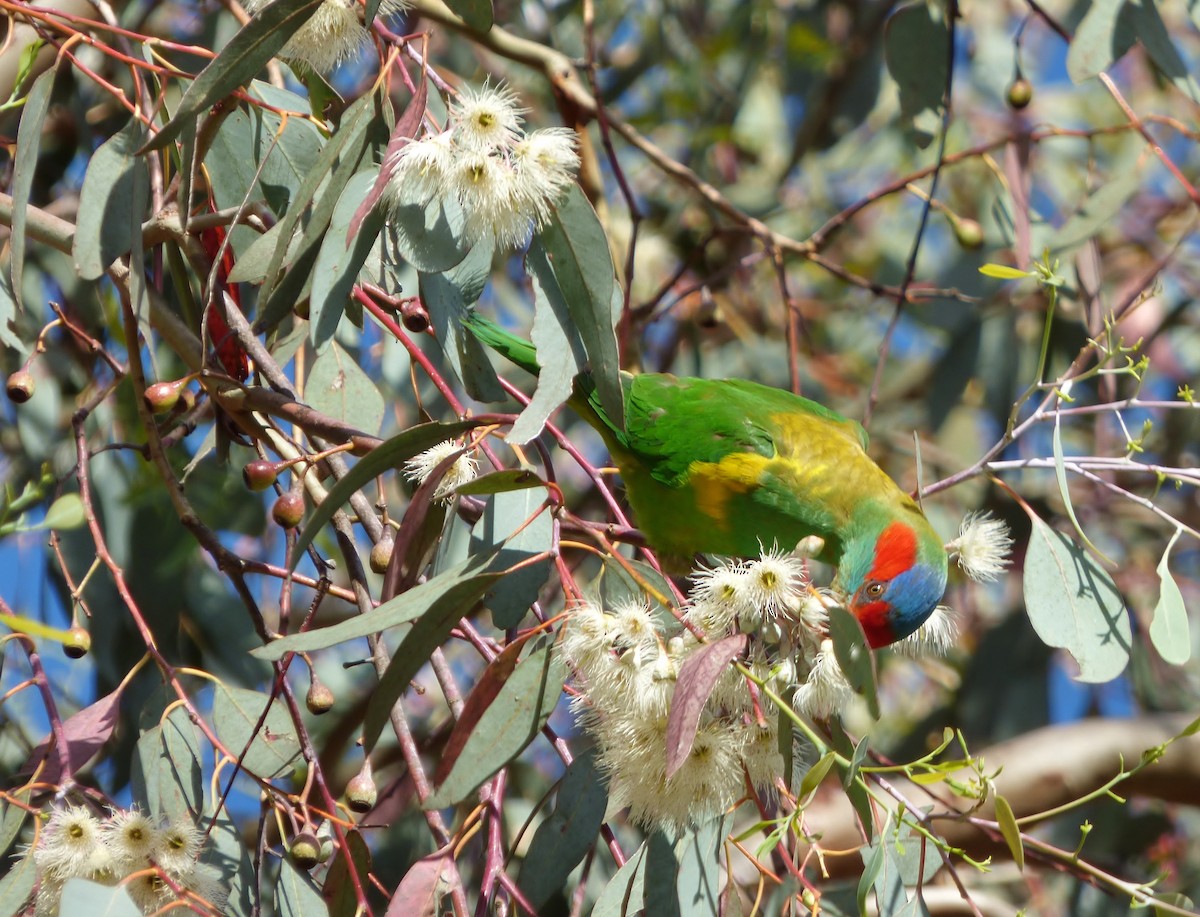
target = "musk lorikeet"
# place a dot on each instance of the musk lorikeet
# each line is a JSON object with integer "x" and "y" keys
{"x": 727, "y": 466}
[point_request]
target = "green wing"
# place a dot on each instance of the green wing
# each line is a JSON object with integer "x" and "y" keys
{"x": 672, "y": 423}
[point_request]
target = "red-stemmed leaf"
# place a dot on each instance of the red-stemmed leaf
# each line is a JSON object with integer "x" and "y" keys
{"x": 86, "y": 732}
{"x": 423, "y": 886}
{"x": 404, "y": 132}
{"x": 697, "y": 677}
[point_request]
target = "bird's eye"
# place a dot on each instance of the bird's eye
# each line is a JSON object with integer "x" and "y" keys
{"x": 875, "y": 590}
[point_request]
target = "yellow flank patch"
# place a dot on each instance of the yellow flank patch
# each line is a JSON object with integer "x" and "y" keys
{"x": 715, "y": 482}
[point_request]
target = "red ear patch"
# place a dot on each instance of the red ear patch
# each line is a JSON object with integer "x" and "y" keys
{"x": 895, "y": 552}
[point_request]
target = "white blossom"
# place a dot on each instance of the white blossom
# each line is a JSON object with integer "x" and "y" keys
{"x": 937, "y": 635}
{"x": 71, "y": 844}
{"x": 418, "y": 468}
{"x": 487, "y": 119}
{"x": 826, "y": 688}
{"x": 983, "y": 546}
{"x": 333, "y": 34}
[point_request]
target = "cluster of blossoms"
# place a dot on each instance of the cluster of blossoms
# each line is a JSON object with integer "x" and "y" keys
{"x": 422, "y": 465}
{"x": 505, "y": 181}
{"x": 333, "y": 34}
{"x": 627, "y": 660}
{"x": 127, "y": 848}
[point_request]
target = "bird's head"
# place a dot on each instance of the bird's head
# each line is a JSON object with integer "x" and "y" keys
{"x": 893, "y": 577}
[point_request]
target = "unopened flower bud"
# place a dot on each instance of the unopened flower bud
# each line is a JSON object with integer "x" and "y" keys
{"x": 77, "y": 642}
{"x": 1020, "y": 93}
{"x": 288, "y": 509}
{"x": 361, "y": 792}
{"x": 305, "y": 850}
{"x": 381, "y": 554}
{"x": 968, "y": 232}
{"x": 20, "y": 386}
{"x": 161, "y": 397}
{"x": 260, "y": 474}
{"x": 319, "y": 698}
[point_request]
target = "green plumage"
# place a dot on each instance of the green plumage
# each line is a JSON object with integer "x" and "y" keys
{"x": 727, "y": 466}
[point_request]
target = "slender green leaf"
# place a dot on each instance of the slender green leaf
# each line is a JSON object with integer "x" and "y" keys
{"x": 1074, "y": 604}
{"x": 577, "y": 247}
{"x": 106, "y": 203}
{"x": 873, "y": 861}
{"x": 16, "y": 886}
{"x": 660, "y": 892}
{"x": 698, "y": 852}
{"x": 1010, "y": 830}
{"x": 1170, "y": 628}
{"x": 1004, "y": 272}
{"x": 815, "y": 774}
{"x": 625, "y": 891}
{"x": 1098, "y": 42}
{"x": 513, "y": 720}
{"x": 81, "y": 896}
{"x": 1098, "y": 211}
{"x": 509, "y": 519}
{"x": 430, "y": 234}
{"x": 256, "y": 43}
{"x": 29, "y": 144}
{"x": 295, "y": 894}
{"x": 500, "y": 482}
{"x": 1060, "y": 475}
{"x": 854, "y": 656}
{"x": 390, "y": 454}
{"x": 452, "y": 587}
{"x": 339, "y": 888}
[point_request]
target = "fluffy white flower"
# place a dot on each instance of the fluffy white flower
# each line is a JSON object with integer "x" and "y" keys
{"x": 421, "y": 169}
{"x": 71, "y": 844}
{"x": 179, "y": 846}
{"x": 484, "y": 184}
{"x": 487, "y": 119}
{"x": 546, "y": 163}
{"x": 333, "y": 34}
{"x": 826, "y": 688}
{"x": 982, "y": 547}
{"x": 936, "y": 635}
{"x": 133, "y": 839}
{"x": 418, "y": 468}
{"x": 776, "y": 582}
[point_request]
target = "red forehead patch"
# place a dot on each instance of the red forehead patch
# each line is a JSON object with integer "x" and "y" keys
{"x": 895, "y": 552}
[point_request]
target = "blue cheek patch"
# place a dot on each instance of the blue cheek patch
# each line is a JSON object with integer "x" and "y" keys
{"x": 913, "y": 595}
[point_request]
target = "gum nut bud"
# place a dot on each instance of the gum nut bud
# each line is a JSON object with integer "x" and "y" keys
{"x": 77, "y": 642}
{"x": 162, "y": 396}
{"x": 319, "y": 698}
{"x": 414, "y": 316}
{"x": 20, "y": 386}
{"x": 187, "y": 401}
{"x": 381, "y": 554}
{"x": 326, "y": 844}
{"x": 288, "y": 509}
{"x": 969, "y": 233}
{"x": 260, "y": 474}
{"x": 361, "y": 792}
{"x": 305, "y": 850}
{"x": 1020, "y": 93}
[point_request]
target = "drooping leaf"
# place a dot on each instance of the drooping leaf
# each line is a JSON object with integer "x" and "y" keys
{"x": 423, "y": 886}
{"x": 508, "y": 721}
{"x": 563, "y": 839}
{"x": 518, "y": 521}
{"x": 500, "y": 482}
{"x": 338, "y": 265}
{"x": 873, "y": 861}
{"x": 446, "y": 296}
{"x": 697, "y": 677}
{"x": 660, "y": 893}
{"x": 1098, "y": 211}
{"x": 29, "y": 141}
{"x": 698, "y": 852}
{"x": 854, "y": 656}
{"x": 295, "y": 895}
{"x": 272, "y": 747}
{"x": 457, "y": 585}
{"x": 1074, "y": 604}
{"x": 168, "y": 777}
{"x": 916, "y": 47}
{"x": 106, "y": 201}
{"x": 430, "y": 234}
{"x": 257, "y": 42}
{"x": 338, "y": 388}
{"x": 16, "y": 886}
{"x": 577, "y": 248}
{"x": 1060, "y": 475}
{"x": 1170, "y": 629}
{"x": 815, "y": 774}
{"x": 339, "y": 888}
{"x": 407, "y": 126}
{"x": 625, "y": 891}
{"x": 390, "y": 454}
{"x": 426, "y": 634}
{"x": 560, "y": 349}
{"x": 12, "y": 820}
{"x": 1098, "y": 42}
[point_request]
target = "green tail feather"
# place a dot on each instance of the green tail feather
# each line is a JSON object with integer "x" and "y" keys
{"x": 522, "y": 353}
{"x": 508, "y": 345}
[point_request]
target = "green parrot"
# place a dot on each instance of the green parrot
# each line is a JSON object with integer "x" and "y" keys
{"x": 727, "y": 466}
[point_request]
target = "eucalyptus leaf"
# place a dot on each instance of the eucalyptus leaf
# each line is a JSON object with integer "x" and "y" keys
{"x": 106, "y": 201}
{"x": 1170, "y": 629}
{"x": 29, "y": 137}
{"x": 271, "y": 747}
{"x": 338, "y": 388}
